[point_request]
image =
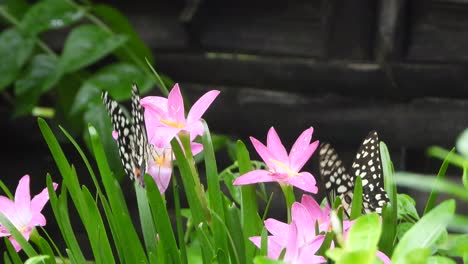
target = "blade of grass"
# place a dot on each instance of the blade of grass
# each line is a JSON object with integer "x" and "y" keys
{"x": 134, "y": 251}
{"x": 422, "y": 182}
{"x": 356, "y": 204}
{"x": 440, "y": 153}
{"x": 214, "y": 190}
{"x": 431, "y": 201}
{"x": 63, "y": 221}
{"x": 6, "y": 191}
{"x": 161, "y": 220}
{"x": 146, "y": 220}
{"x": 250, "y": 220}
{"x": 27, "y": 248}
{"x": 178, "y": 220}
{"x": 14, "y": 257}
{"x": 233, "y": 224}
{"x": 57, "y": 152}
{"x": 45, "y": 249}
{"x": 390, "y": 211}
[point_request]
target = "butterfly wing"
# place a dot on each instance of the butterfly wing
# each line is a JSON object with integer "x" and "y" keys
{"x": 337, "y": 181}
{"x": 124, "y": 130}
{"x": 132, "y": 140}
{"x": 368, "y": 166}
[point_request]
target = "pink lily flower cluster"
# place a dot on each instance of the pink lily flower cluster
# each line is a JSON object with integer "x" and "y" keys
{"x": 299, "y": 237}
{"x": 23, "y": 212}
{"x": 164, "y": 119}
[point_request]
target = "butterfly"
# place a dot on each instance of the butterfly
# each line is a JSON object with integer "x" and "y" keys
{"x": 366, "y": 164}
{"x": 132, "y": 141}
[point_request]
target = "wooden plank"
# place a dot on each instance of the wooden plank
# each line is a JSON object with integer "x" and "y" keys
{"x": 344, "y": 120}
{"x": 399, "y": 81}
{"x": 439, "y": 31}
{"x": 391, "y": 30}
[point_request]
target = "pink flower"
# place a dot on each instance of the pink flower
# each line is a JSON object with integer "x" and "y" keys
{"x": 166, "y": 117}
{"x": 283, "y": 168}
{"x": 298, "y": 238}
{"x": 160, "y": 168}
{"x": 23, "y": 212}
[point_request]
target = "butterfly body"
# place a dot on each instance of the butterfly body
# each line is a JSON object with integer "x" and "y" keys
{"x": 367, "y": 165}
{"x": 132, "y": 140}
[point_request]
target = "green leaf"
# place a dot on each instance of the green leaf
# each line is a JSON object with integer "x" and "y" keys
{"x": 146, "y": 220}
{"x": 424, "y": 182}
{"x": 26, "y": 247}
{"x": 456, "y": 245}
{"x": 406, "y": 206}
{"x": 16, "y": 8}
{"x": 161, "y": 220}
{"x": 417, "y": 256}
{"x": 116, "y": 79}
{"x": 360, "y": 256}
{"x": 431, "y": 201}
{"x": 364, "y": 234}
{"x": 356, "y": 204}
{"x": 250, "y": 220}
{"x": 265, "y": 260}
{"x": 425, "y": 232}
{"x": 15, "y": 258}
{"x": 49, "y": 15}
{"x": 37, "y": 259}
{"x": 87, "y": 44}
{"x": 402, "y": 228}
{"x": 462, "y": 143}
{"x": 28, "y": 86}
{"x": 440, "y": 260}
{"x": 465, "y": 176}
{"x": 119, "y": 23}
{"x": 97, "y": 116}
{"x": 15, "y": 49}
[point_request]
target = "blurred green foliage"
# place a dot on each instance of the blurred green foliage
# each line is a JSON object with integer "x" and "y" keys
{"x": 101, "y": 51}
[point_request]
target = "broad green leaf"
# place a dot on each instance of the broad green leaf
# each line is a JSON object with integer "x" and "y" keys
{"x": 456, "y": 245}
{"x": 15, "y": 49}
{"x": 417, "y": 256}
{"x": 28, "y": 86}
{"x": 16, "y": 8}
{"x": 361, "y": 256}
{"x": 49, "y": 15}
{"x": 87, "y": 44}
{"x": 265, "y": 260}
{"x": 117, "y": 79}
{"x": 364, "y": 234}
{"x": 406, "y": 206}
{"x": 402, "y": 228}
{"x": 37, "y": 259}
{"x": 119, "y": 23}
{"x": 425, "y": 232}
{"x": 440, "y": 260}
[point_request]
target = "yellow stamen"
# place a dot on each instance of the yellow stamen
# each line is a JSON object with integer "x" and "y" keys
{"x": 170, "y": 123}
{"x": 286, "y": 168}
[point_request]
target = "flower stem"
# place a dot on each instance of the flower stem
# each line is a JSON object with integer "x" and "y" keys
{"x": 288, "y": 193}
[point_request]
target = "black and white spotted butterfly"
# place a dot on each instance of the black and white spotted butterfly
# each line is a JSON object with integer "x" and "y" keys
{"x": 132, "y": 141}
{"x": 366, "y": 164}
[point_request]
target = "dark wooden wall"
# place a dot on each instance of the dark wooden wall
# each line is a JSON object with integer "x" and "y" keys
{"x": 344, "y": 67}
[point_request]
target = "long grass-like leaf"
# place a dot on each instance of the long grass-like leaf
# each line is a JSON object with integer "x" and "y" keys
{"x": 161, "y": 220}
{"x": 356, "y": 204}
{"x": 27, "y": 248}
{"x": 431, "y": 201}
{"x": 214, "y": 190}
{"x": 250, "y": 220}
{"x": 146, "y": 220}
{"x": 13, "y": 255}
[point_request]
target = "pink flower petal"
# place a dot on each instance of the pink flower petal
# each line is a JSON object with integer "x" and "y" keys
{"x": 115, "y": 134}
{"x": 22, "y": 195}
{"x": 7, "y": 207}
{"x": 195, "y": 129}
{"x": 305, "y": 181}
{"x": 263, "y": 151}
{"x": 307, "y": 253}
{"x": 200, "y": 106}
{"x": 304, "y": 221}
{"x": 196, "y": 148}
{"x": 162, "y": 136}
{"x": 255, "y": 176}
{"x": 161, "y": 175}
{"x": 302, "y": 151}
{"x": 175, "y": 106}
{"x": 292, "y": 250}
{"x": 383, "y": 257}
{"x": 157, "y": 104}
{"x": 274, "y": 249}
{"x": 277, "y": 228}
{"x": 276, "y": 148}
{"x": 37, "y": 219}
{"x": 38, "y": 201}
